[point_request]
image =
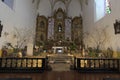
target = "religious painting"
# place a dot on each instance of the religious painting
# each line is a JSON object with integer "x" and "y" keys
{"x": 50, "y": 28}
{"x": 68, "y": 24}
{"x": 117, "y": 27}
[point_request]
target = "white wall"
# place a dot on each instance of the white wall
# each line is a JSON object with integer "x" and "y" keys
{"x": 44, "y": 8}
{"x": 90, "y": 25}
{"x": 23, "y": 16}
{"x": 74, "y": 9}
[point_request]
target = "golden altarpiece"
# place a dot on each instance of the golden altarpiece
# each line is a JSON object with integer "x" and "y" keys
{"x": 58, "y": 30}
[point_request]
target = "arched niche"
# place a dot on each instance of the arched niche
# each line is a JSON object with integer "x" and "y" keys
{"x": 59, "y": 4}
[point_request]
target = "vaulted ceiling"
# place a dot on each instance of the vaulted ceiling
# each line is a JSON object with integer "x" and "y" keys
{"x": 66, "y": 2}
{"x": 71, "y": 7}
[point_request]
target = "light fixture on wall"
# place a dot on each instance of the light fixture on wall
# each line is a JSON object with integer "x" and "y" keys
{"x": 117, "y": 26}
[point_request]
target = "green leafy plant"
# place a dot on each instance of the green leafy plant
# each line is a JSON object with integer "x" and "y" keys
{"x": 72, "y": 47}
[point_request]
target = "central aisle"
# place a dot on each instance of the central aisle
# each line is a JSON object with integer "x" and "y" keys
{"x": 60, "y": 62}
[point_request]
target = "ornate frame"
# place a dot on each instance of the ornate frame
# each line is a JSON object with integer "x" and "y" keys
{"x": 117, "y": 27}
{"x": 41, "y": 29}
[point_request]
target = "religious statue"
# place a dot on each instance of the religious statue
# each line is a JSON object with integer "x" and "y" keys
{"x": 1, "y": 27}
{"x": 59, "y": 28}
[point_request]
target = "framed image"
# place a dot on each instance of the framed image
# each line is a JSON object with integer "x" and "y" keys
{"x": 117, "y": 27}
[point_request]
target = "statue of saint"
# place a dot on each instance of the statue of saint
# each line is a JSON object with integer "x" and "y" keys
{"x": 59, "y": 28}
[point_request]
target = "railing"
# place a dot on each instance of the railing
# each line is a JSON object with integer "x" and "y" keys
{"x": 22, "y": 64}
{"x": 97, "y": 65}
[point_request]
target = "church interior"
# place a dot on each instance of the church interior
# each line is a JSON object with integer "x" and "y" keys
{"x": 59, "y": 40}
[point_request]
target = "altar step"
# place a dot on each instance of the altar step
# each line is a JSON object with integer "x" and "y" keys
{"x": 60, "y": 62}
{"x": 60, "y": 58}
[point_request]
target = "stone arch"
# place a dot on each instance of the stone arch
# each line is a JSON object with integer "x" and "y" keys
{"x": 59, "y": 4}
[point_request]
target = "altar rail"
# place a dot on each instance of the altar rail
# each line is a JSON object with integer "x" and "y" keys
{"x": 22, "y": 64}
{"x": 97, "y": 65}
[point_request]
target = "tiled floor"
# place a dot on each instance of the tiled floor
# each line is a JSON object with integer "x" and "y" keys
{"x": 64, "y": 75}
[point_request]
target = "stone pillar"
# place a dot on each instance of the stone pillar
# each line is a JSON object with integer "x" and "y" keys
{"x": 29, "y": 49}
{"x": 83, "y": 52}
{"x": 54, "y": 50}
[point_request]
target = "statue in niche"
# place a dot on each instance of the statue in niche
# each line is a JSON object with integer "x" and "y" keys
{"x": 1, "y": 27}
{"x": 59, "y": 28}
{"x": 42, "y": 37}
{"x": 42, "y": 24}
